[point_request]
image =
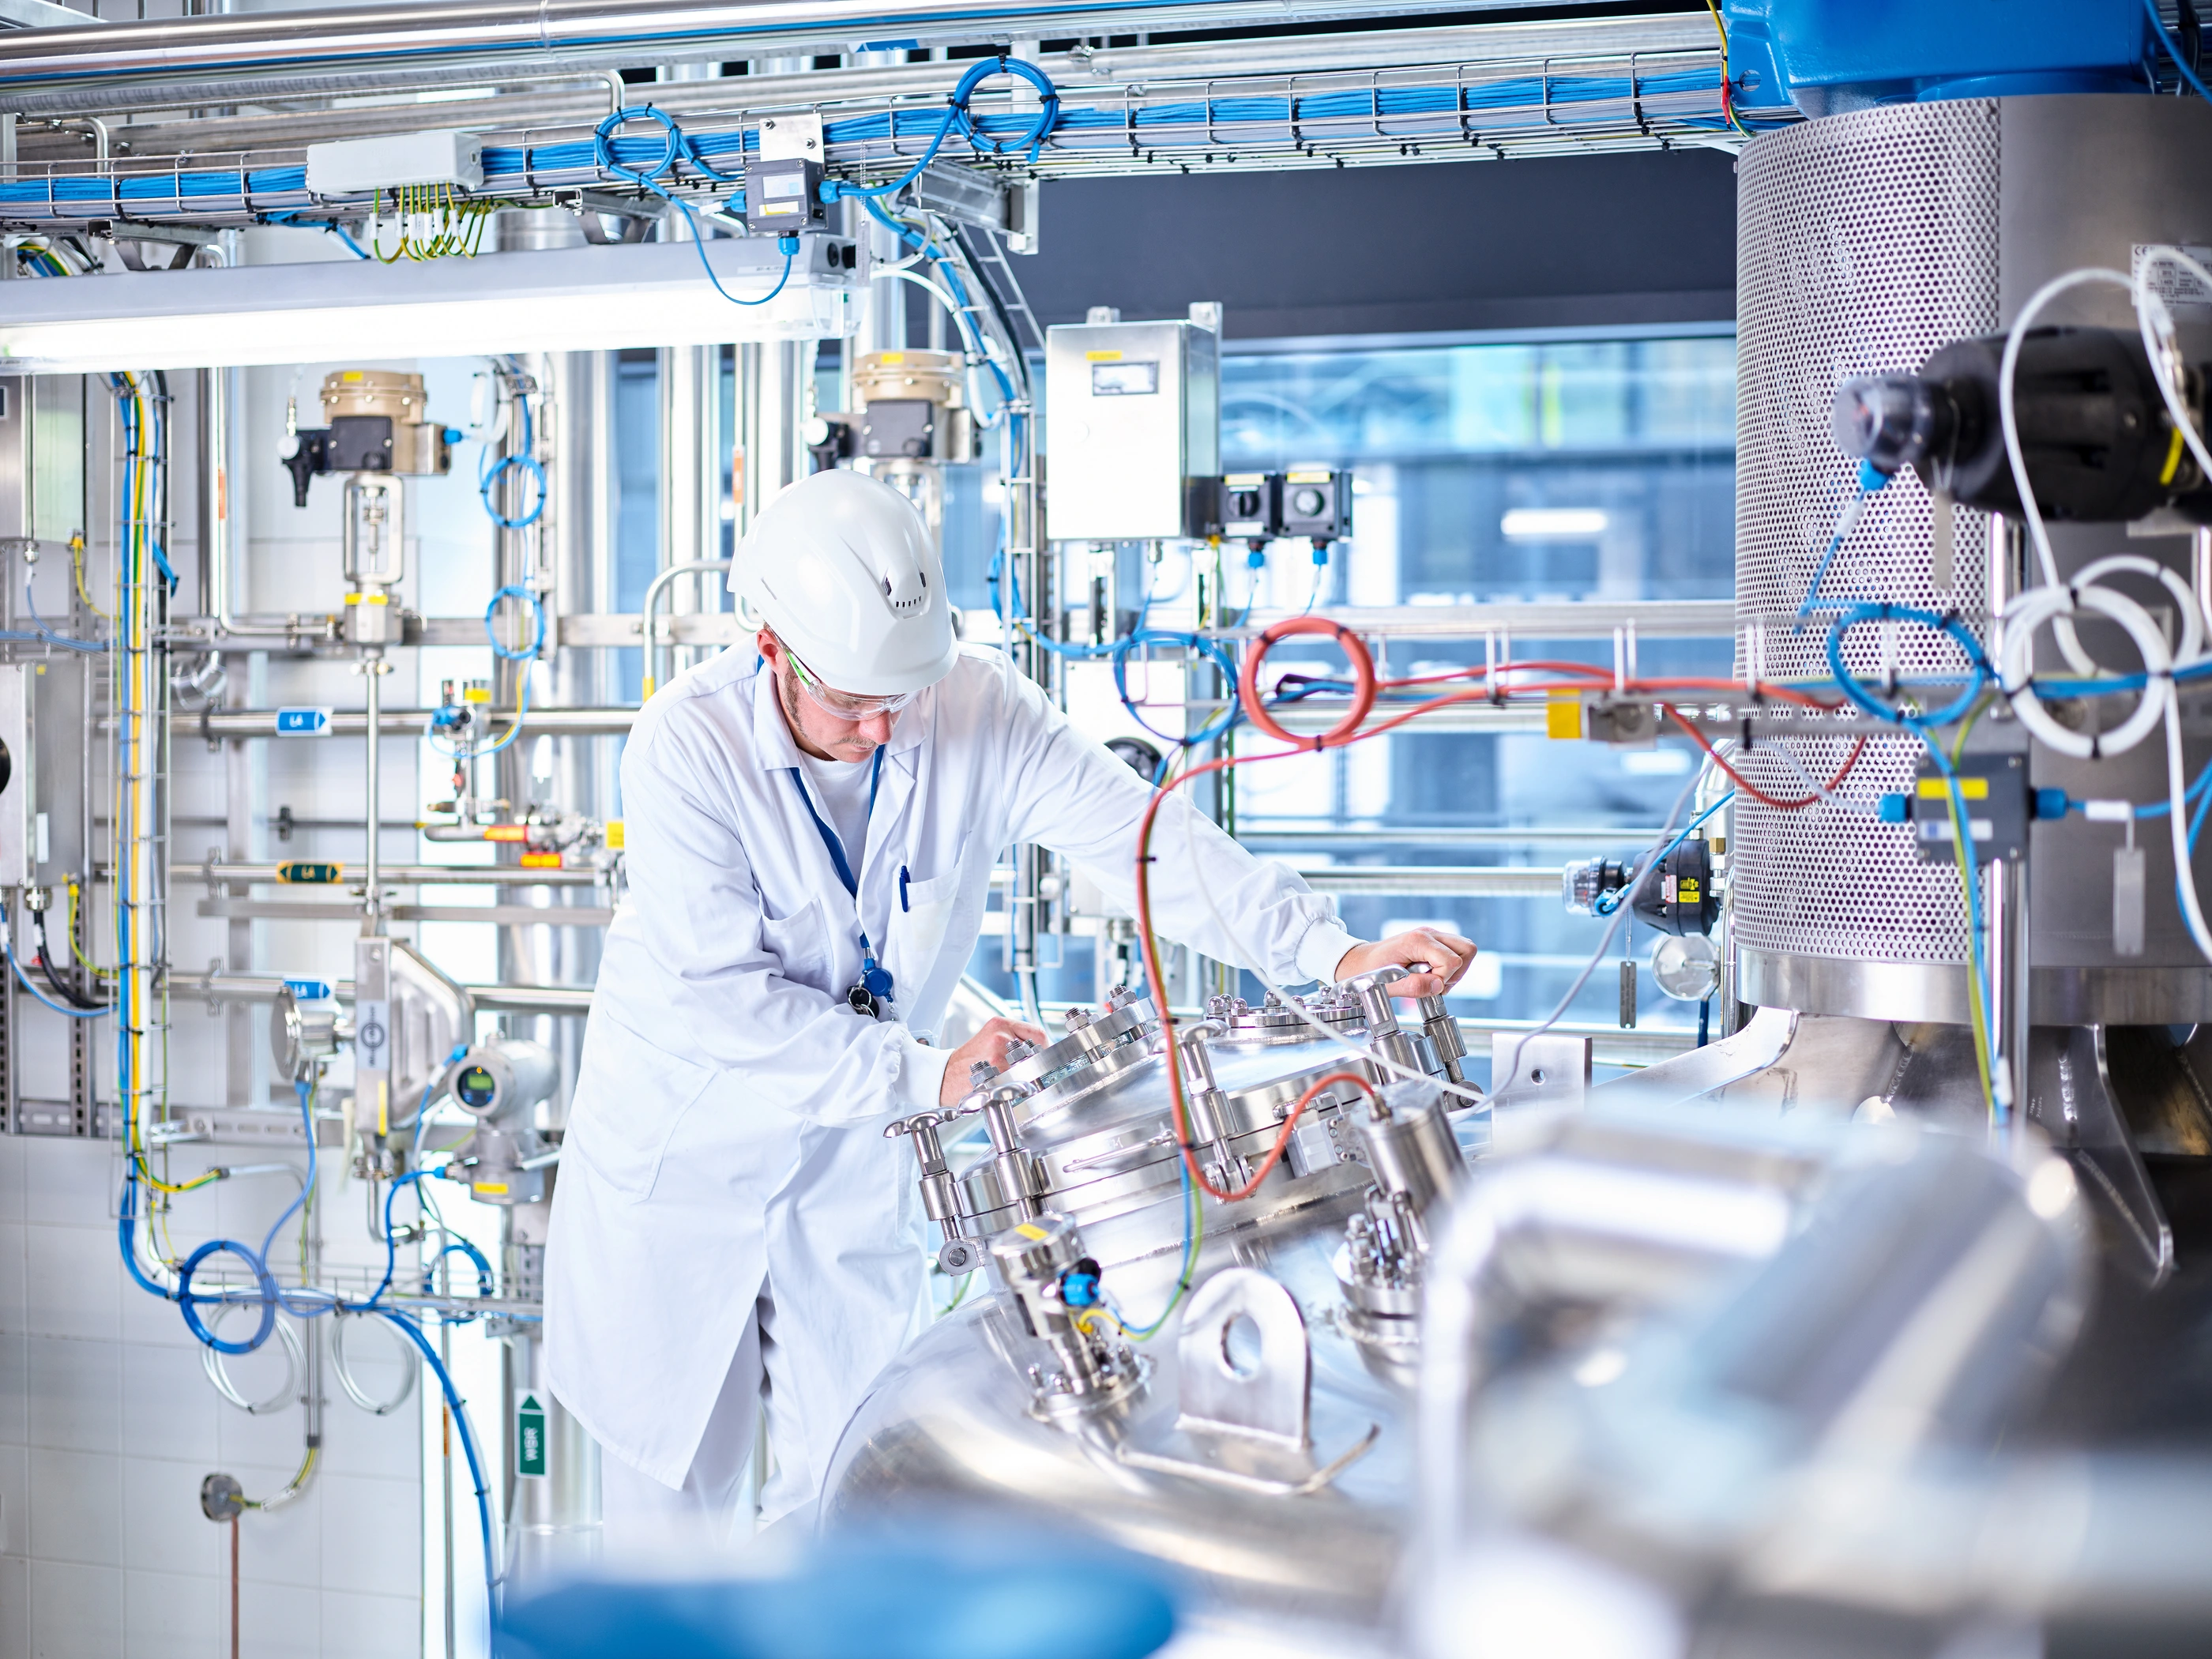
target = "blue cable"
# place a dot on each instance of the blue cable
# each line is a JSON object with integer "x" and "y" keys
{"x": 676, "y": 144}
{"x": 24, "y": 980}
{"x": 512, "y": 169}
{"x": 330, "y": 226}
{"x": 457, "y": 1245}
{"x": 537, "y": 644}
{"x": 2158, "y": 24}
{"x": 1951, "y": 625}
{"x": 307, "y": 1096}
{"x": 488, "y": 476}
{"x": 1923, "y": 727}
{"x": 523, "y": 652}
{"x": 1221, "y": 723}
{"x": 1871, "y": 480}
{"x": 390, "y": 1244}
{"x": 408, "y": 1328}
{"x": 2158, "y": 808}
{"x": 956, "y": 117}
{"x": 945, "y": 269}
{"x": 270, "y": 1294}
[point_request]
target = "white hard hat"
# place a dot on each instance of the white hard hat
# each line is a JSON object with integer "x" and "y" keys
{"x": 843, "y": 569}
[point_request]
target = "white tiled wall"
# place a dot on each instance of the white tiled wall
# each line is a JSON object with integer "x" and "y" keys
{"x": 108, "y": 1422}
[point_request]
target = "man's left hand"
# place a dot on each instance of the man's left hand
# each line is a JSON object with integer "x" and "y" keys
{"x": 1445, "y": 956}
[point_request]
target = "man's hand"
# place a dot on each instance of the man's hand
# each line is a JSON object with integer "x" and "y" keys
{"x": 1445, "y": 954}
{"x": 989, "y": 1043}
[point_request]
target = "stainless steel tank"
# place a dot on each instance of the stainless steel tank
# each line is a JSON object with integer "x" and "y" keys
{"x": 1250, "y": 1437}
{"x": 1866, "y": 240}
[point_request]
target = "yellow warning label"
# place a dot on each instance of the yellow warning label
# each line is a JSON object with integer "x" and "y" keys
{"x": 491, "y": 1189}
{"x": 1306, "y": 478}
{"x": 614, "y": 834}
{"x": 890, "y": 358}
{"x": 1101, "y": 357}
{"x": 1969, "y": 789}
{"x": 477, "y": 694}
{"x": 1563, "y": 715}
{"x": 1032, "y": 1231}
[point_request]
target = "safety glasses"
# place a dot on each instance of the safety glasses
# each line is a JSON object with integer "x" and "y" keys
{"x": 842, "y": 705}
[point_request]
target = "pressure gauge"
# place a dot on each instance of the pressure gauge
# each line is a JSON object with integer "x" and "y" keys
{"x": 1686, "y": 967}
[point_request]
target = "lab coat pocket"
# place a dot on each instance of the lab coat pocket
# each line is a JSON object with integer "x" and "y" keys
{"x": 918, "y": 926}
{"x": 631, "y": 1097}
{"x": 799, "y": 945}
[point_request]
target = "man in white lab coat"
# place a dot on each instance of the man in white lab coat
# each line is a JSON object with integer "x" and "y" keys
{"x": 810, "y": 831}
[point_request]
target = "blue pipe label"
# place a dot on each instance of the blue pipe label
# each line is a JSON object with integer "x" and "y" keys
{"x": 303, "y": 722}
{"x": 308, "y": 990}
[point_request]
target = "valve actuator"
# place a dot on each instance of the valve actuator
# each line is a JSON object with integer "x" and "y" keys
{"x": 2094, "y": 431}
{"x": 377, "y": 423}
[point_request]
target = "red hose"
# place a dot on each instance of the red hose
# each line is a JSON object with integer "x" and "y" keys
{"x": 1282, "y": 1140}
{"x": 1362, "y": 676}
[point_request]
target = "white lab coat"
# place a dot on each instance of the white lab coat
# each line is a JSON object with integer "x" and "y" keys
{"x": 726, "y": 1133}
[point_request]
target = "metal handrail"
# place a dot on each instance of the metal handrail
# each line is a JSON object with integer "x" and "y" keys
{"x": 689, "y": 567}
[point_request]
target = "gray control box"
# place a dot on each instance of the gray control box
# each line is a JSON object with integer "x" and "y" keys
{"x": 1132, "y": 430}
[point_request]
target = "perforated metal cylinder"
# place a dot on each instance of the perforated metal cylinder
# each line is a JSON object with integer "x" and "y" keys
{"x": 1866, "y": 240}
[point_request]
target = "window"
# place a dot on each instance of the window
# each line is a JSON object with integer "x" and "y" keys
{"x": 1485, "y": 472}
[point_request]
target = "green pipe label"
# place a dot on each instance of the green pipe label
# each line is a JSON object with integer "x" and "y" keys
{"x": 530, "y": 1438}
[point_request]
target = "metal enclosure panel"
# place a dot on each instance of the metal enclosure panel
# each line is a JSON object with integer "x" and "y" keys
{"x": 15, "y": 457}
{"x": 16, "y": 801}
{"x": 1132, "y": 413}
{"x": 2086, "y": 180}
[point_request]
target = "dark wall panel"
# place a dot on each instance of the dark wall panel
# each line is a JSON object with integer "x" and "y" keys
{"x": 1559, "y": 242}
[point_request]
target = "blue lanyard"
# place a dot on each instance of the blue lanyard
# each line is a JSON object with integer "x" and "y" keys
{"x": 875, "y": 979}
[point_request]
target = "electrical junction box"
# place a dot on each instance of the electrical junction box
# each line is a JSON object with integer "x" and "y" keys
{"x": 1993, "y": 801}
{"x": 353, "y": 165}
{"x": 19, "y": 848}
{"x": 784, "y": 197}
{"x": 1316, "y": 503}
{"x": 1251, "y": 506}
{"x": 1132, "y": 428}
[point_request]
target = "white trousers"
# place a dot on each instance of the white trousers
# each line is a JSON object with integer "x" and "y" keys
{"x": 709, "y": 1513}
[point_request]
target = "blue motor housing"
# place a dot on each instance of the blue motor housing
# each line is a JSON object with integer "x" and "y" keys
{"x": 1825, "y": 56}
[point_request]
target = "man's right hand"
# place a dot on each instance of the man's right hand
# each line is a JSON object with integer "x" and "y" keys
{"x": 989, "y": 1043}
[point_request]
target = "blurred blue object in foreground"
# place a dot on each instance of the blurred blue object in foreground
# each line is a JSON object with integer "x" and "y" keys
{"x": 1042, "y": 1599}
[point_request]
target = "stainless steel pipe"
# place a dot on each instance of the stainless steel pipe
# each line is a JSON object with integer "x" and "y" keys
{"x": 190, "y": 53}
{"x": 491, "y": 998}
{"x": 402, "y": 875}
{"x": 583, "y": 105}
{"x": 409, "y": 722}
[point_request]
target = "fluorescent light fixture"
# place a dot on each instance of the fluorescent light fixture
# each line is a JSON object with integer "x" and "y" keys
{"x": 584, "y": 298}
{"x": 1552, "y": 524}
